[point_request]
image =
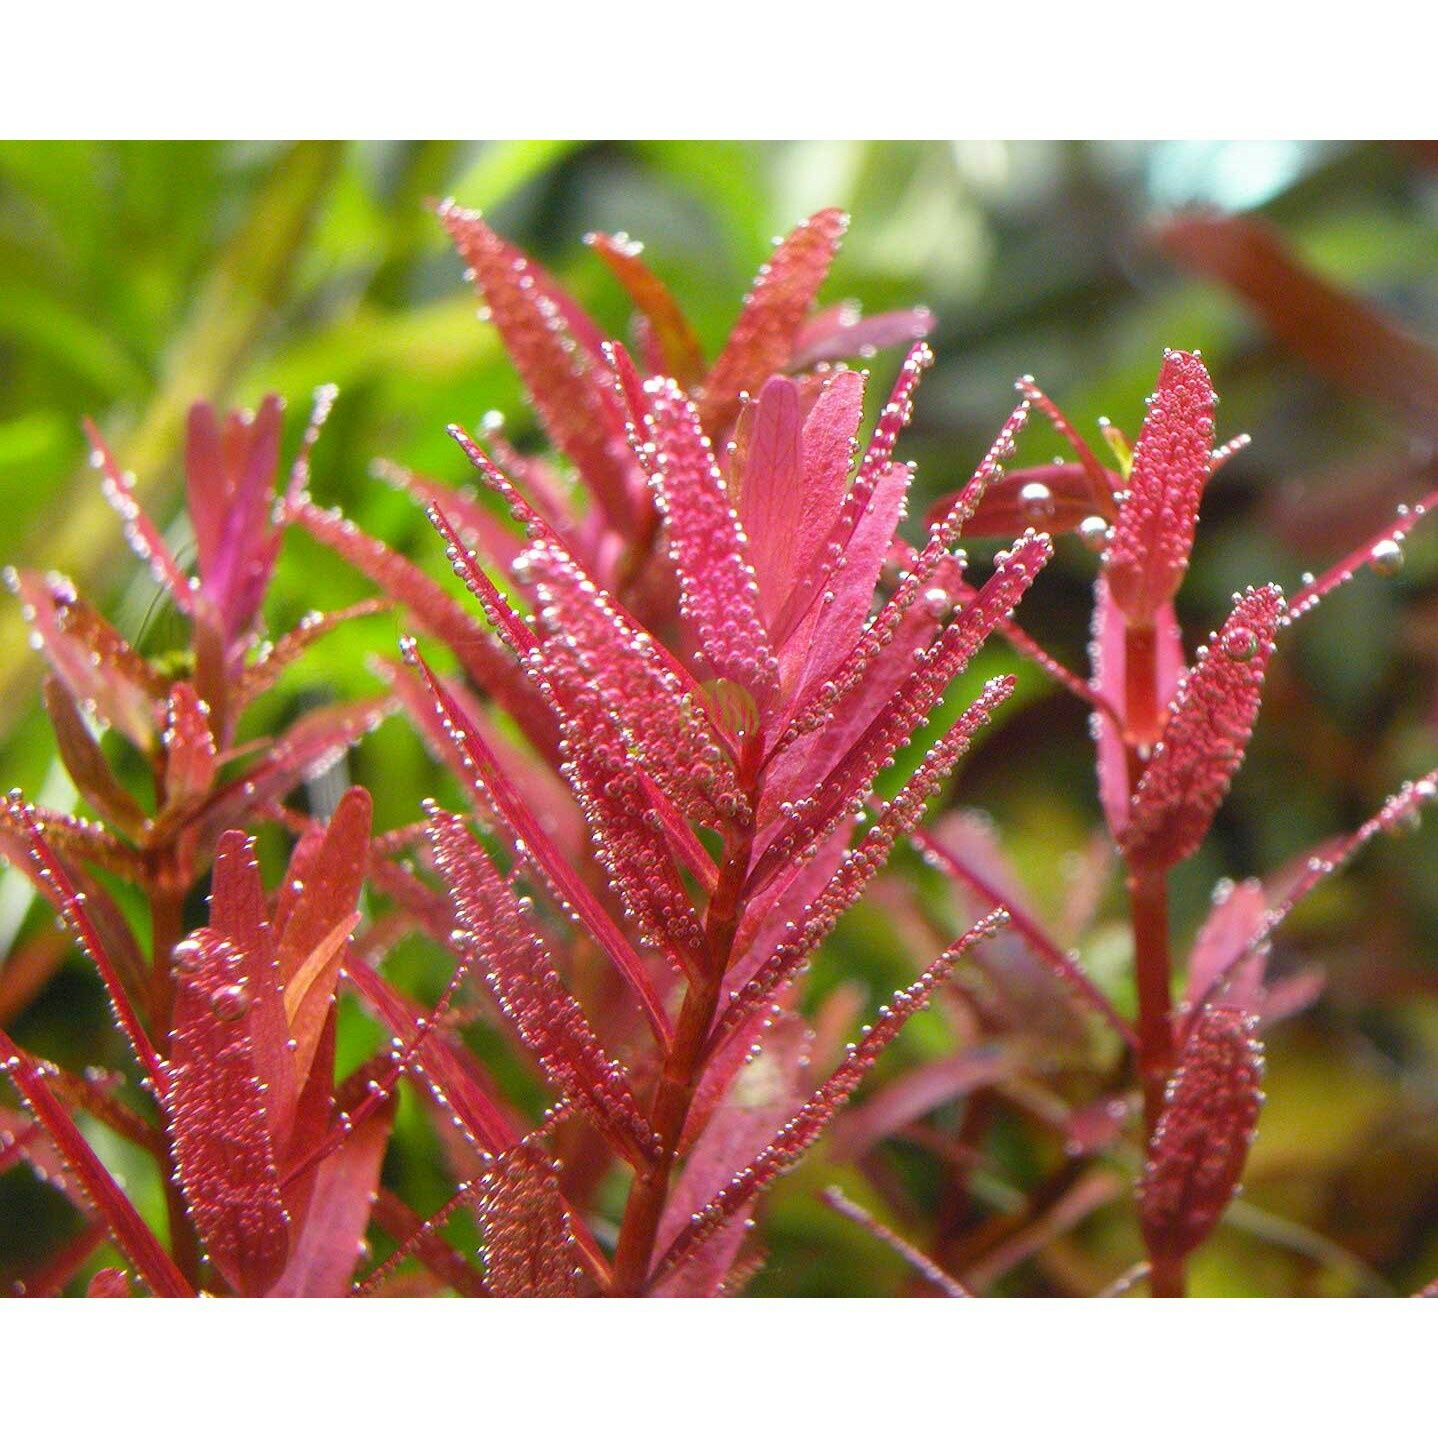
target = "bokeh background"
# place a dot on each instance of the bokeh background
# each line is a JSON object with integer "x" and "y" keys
{"x": 137, "y": 277}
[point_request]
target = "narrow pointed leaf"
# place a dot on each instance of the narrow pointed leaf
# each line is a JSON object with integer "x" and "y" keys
{"x": 529, "y": 1249}
{"x": 809, "y": 1123}
{"x": 1198, "y": 1151}
{"x": 154, "y": 1266}
{"x": 763, "y": 339}
{"x": 1147, "y": 554}
{"x": 1210, "y": 720}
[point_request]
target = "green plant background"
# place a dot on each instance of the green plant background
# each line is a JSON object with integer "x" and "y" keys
{"x": 136, "y": 277}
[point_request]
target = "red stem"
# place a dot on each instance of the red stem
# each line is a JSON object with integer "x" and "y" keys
{"x": 684, "y": 1063}
{"x": 1148, "y": 910}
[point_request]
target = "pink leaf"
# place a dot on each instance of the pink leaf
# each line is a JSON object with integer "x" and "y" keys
{"x": 493, "y": 923}
{"x": 763, "y": 339}
{"x": 154, "y": 1266}
{"x": 804, "y": 1129}
{"x": 224, "y": 1154}
{"x": 1210, "y": 720}
{"x": 529, "y": 1249}
{"x": 719, "y": 594}
{"x": 566, "y": 378}
{"x": 1196, "y": 1157}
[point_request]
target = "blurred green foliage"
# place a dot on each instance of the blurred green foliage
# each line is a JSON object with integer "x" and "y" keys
{"x": 136, "y": 277}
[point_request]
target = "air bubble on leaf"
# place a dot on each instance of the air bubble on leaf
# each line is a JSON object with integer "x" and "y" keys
{"x": 1386, "y": 557}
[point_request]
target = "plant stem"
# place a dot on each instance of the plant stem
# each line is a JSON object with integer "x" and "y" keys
{"x": 1148, "y": 910}
{"x": 683, "y": 1064}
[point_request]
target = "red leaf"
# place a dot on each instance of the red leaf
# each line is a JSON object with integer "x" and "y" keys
{"x": 679, "y": 349}
{"x": 763, "y": 339}
{"x": 311, "y": 745}
{"x": 191, "y": 762}
{"x": 1108, "y": 660}
{"x": 910, "y": 705}
{"x": 484, "y": 659}
{"x": 493, "y": 786}
{"x": 230, "y": 479}
{"x": 284, "y": 651}
{"x": 1148, "y": 550}
{"x": 610, "y": 788}
{"x": 529, "y": 1249}
{"x": 331, "y": 1239}
{"x": 762, "y": 1095}
{"x": 22, "y": 840}
{"x": 312, "y": 939}
{"x": 239, "y": 913}
{"x": 719, "y": 594}
{"x": 86, "y": 764}
{"x": 1057, "y": 498}
{"x": 154, "y": 1266}
{"x": 109, "y": 1283}
{"x": 567, "y": 381}
{"x": 97, "y": 666}
{"x": 843, "y": 330}
{"x": 860, "y": 863}
{"x": 118, "y": 487}
{"x": 1340, "y": 334}
{"x": 225, "y": 1157}
{"x": 449, "y": 1074}
{"x": 492, "y": 925}
{"x": 1196, "y": 1157}
{"x": 804, "y": 1129}
{"x": 1210, "y": 720}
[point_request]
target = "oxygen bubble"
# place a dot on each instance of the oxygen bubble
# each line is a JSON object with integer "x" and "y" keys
{"x": 1036, "y": 501}
{"x": 1386, "y": 557}
{"x": 1240, "y": 644}
{"x": 1093, "y": 532}
{"x": 230, "y": 1002}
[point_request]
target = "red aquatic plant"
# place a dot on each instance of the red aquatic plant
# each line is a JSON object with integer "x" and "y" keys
{"x": 693, "y": 644}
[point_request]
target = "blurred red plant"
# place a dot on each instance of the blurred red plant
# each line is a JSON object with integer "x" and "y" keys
{"x": 729, "y": 642}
